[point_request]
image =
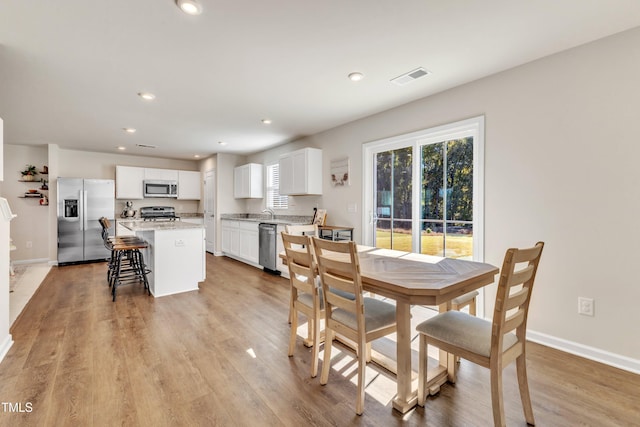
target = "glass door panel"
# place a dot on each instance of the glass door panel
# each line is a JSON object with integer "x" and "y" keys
{"x": 393, "y": 199}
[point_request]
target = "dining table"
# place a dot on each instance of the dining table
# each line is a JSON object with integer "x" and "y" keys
{"x": 418, "y": 279}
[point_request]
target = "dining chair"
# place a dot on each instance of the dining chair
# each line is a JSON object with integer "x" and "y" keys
{"x": 306, "y": 295}
{"x": 490, "y": 344}
{"x": 361, "y": 319}
{"x": 306, "y": 230}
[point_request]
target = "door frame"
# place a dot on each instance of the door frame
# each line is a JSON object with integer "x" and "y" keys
{"x": 210, "y": 226}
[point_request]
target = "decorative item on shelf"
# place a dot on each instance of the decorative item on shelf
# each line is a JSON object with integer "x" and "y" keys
{"x": 45, "y": 170}
{"x": 320, "y": 217}
{"x": 44, "y": 201}
{"x": 29, "y": 173}
{"x": 44, "y": 185}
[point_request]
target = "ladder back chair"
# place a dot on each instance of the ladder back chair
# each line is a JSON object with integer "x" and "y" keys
{"x": 361, "y": 319}
{"x": 306, "y": 295}
{"x": 490, "y": 344}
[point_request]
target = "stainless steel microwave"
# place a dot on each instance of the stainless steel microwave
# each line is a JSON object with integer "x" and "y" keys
{"x": 158, "y": 188}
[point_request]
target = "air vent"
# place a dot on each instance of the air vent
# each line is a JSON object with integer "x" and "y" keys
{"x": 146, "y": 146}
{"x": 410, "y": 76}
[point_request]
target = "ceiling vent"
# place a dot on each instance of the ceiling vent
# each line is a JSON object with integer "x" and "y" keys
{"x": 410, "y": 76}
{"x": 146, "y": 146}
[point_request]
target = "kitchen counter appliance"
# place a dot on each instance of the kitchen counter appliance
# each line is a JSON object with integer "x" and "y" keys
{"x": 81, "y": 203}
{"x": 155, "y": 213}
{"x": 267, "y": 253}
{"x": 159, "y": 188}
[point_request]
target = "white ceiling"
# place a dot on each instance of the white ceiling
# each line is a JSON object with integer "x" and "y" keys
{"x": 70, "y": 70}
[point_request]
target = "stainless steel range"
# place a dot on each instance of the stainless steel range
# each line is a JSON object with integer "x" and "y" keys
{"x": 158, "y": 213}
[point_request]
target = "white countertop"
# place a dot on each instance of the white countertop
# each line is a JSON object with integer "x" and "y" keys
{"x": 158, "y": 225}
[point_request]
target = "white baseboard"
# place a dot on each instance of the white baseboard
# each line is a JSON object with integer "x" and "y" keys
{"x": 5, "y": 346}
{"x": 31, "y": 261}
{"x": 592, "y": 353}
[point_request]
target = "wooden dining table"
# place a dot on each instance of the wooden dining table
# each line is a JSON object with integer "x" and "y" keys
{"x": 417, "y": 279}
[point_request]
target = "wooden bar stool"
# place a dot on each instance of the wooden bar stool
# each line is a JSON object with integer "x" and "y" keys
{"x": 126, "y": 264}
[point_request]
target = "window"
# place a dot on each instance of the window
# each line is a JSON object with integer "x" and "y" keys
{"x": 423, "y": 191}
{"x": 274, "y": 199}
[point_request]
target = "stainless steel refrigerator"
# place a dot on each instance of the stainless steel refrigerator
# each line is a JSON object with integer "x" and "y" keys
{"x": 81, "y": 202}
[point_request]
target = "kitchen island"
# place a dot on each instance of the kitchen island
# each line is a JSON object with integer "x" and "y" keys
{"x": 175, "y": 256}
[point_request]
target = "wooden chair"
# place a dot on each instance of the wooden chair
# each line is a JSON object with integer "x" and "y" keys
{"x": 300, "y": 230}
{"x": 306, "y": 295}
{"x": 361, "y": 319}
{"x": 490, "y": 344}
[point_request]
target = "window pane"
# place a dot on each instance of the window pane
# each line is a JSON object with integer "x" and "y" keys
{"x": 459, "y": 240}
{"x": 432, "y": 238}
{"x": 460, "y": 179}
{"x": 432, "y": 176}
{"x": 274, "y": 199}
{"x": 393, "y": 199}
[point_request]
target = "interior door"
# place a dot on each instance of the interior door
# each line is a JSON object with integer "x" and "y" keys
{"x": 210, "y": 209}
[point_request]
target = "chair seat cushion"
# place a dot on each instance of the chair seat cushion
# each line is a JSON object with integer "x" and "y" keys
{"x": 307, "y": 299}
{"x": 377, "y": 314}
{"x": 464, "y": 298}
{"x": 462, "y": 330}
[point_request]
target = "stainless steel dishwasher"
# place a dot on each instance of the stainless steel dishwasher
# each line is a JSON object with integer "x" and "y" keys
{"x": 268, "y": 241}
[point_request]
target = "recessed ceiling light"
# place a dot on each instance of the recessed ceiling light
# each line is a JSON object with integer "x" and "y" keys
{"x": 129, "y": 130}
{"x": 356, "y": 76}
{"x": 222, "y": 143}
{"x": 197, "y": 156}
{"x": 146, "y": 96}
{"x": 190, "y": 7}
{"x": 266, "y": 121}
{"x": 121, "y": 148}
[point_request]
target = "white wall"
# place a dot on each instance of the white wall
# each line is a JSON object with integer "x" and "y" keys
{"x": 5, "y": 337}
{"x": 560, "y": 166}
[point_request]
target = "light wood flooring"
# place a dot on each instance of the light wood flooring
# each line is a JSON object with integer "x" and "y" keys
{"x": 218, "y": 356}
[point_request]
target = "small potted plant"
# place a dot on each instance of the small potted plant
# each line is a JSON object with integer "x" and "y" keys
{"x": 29, "y": 173}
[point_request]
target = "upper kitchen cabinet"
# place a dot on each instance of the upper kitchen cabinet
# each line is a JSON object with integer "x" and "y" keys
{"x": 160, "y": 174}
{"x": 248, "y": 181}
{"x": 301, "y": 172}
{"x": 129, "y": 182}
{"x": 189, "y": 185}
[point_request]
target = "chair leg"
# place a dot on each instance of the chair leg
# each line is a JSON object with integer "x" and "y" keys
{"x": 316, "y": 347}
{"x": 362, "y": 367}
{"x": 326, "y": 364}
{"x": 523, "y": 383}
{"x": 294, "y": 331}
{"x": 496, "y": 395}
{"x": 423, "y": 361}
{"x": 472, "y": 307}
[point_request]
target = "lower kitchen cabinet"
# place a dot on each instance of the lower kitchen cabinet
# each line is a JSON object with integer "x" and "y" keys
{"x": 240, "y": 240}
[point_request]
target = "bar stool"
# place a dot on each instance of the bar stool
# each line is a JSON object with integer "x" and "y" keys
{"x": 126, "y": 264}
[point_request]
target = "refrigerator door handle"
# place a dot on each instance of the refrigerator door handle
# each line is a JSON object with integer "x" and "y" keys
{"x": 83, "y": 215}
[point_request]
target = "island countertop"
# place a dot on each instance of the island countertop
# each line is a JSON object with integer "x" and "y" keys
{"x": 158, "y": 225}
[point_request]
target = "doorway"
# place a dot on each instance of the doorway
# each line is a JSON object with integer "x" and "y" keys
{"x": 210, "y": 210}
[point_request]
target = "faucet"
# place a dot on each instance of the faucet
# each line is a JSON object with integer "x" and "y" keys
{"x": 270, "y": 211}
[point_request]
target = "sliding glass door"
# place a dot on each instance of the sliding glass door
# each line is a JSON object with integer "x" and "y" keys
{"x": 423, "y": 191}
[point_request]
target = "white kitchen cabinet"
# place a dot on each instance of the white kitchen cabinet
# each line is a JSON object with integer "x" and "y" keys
{"x": 248, "y": 181}
{"x": 240, "y": 239}
{"x": 189, "y": 185}
{"x": 301, "y": 172}
{"x": 248, "y": 242}
{"x": 230, "y": 237}
{"x": 129, "y": 182}
{"x": 160, "y": 174}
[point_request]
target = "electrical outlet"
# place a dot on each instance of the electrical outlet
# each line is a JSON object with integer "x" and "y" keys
{"x": 29, "y": 244}
{"x": 585, "y": 306}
